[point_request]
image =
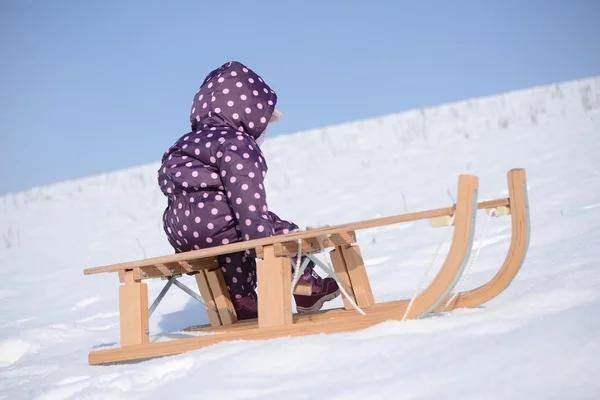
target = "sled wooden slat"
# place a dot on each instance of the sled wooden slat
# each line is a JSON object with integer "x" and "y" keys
{"x": 171, "y": 269}
{"x": 274, "y": 289}
{"x": 330, "y": 321}
{"x": 220, "y": 296}
{"x": 207, "y": 294}
{"x": 359, "y": 279}
{"x": 341, "y": 270}
{"x": 207, "y": 255}
{"x": 312, "y": 245}
{"x": 349, "y": 266}
{"x": 274, "y": 278}
{"x": 157, "y": 270}
{"x": 133, "y": 311}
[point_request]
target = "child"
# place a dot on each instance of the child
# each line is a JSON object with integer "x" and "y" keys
{"x": 213, "y": 178}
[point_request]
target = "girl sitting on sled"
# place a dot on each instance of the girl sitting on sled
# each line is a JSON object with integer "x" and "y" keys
{"x": 213, "y": 178}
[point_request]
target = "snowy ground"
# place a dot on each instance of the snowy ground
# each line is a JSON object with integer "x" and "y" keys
{"x": 539, "y": 339}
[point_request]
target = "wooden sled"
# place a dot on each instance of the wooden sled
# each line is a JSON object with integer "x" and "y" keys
{"x": 275, "y": 316}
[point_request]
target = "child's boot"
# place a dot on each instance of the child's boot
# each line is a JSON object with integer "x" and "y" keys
{"x": 245, "y": 306}
{"x": 312, "y": 291}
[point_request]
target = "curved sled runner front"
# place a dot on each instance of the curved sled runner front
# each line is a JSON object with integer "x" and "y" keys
{"x": 275, "y": 318}
{"x": 519, "y": 210}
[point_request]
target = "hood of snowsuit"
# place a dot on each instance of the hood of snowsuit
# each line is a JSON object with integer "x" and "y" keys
{"x": 233, "y": 96}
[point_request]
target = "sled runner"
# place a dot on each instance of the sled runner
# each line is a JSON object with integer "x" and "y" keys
{"x": 275, "y": 280}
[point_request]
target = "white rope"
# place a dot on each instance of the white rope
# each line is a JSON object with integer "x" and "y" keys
{"x": 466, "y": 273}
{"x": 330, "y": 271}
{"x": 437, "y": 252}
{"x": 297, "y": 271}
{"x": 299, "y": 267}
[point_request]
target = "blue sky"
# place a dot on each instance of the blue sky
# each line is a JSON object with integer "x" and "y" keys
{"x": 94, "y": 86}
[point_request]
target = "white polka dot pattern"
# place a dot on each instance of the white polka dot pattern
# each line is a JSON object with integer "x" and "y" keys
{"x": 214, "y": 175}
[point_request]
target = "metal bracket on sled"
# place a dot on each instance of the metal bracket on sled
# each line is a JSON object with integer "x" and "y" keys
{"x": 172, "y": 280}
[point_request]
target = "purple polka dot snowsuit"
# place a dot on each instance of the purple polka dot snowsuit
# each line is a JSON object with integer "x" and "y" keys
{"x": 213, "y": 176}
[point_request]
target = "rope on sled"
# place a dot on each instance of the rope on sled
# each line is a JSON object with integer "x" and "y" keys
{"x": 466, "y": 274}
{"x": 299, "y": 267}
{"x": 328, "y": 268}
{"x": 437, "y": 252}
{"x": 331, "y": 272}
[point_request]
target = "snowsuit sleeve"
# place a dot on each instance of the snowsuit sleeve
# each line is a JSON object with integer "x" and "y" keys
{"x": 243, "y": 171}
{"x": 280, "y": 226}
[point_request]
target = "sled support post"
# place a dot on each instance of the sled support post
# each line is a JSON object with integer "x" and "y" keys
{"x": 220, "y": 294}
{"x": 133, "y": 311}
{"x": 339, "y": 267}
{"x": 213, "y": 290}
{"x": 274, "y": 281}
{"x": 206, "y": 294}
{"x": 349, "y": 266}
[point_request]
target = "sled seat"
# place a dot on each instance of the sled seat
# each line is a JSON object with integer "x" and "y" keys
{"x": 339, "y": 242}
{"x": 273, "y": 267}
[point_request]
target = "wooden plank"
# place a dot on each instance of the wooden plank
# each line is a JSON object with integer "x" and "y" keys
{"x": 185, "y": 267}
{"x": 133, "y": 311}
{"x": 312, "y": 245}
{"x": 158, "y": 270}
{"x": 290, "y": 237}
{"x": 363, "y": 294}
{"x": 274, "y": 289}
{"x": 325, "y": 322}
{"x": 208, "y": 297}
{"x": 221, "y": 298}
{"x": 343, "y": 238}
{"x": 288, "y": 249}
{"x": 300, "y": 321}
{"x": 173, "y": 268}
{"x": 341, "y": 271}
{"x": 204, "y": 263}
{"x": 519, "y": 244}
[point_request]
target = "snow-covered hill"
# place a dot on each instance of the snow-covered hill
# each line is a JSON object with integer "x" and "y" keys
{"x": 538, "y": 339}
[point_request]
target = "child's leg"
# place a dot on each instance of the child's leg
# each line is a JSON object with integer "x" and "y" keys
{"x": 239, "y": 272}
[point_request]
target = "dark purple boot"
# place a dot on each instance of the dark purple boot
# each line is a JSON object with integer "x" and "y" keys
{"x": 322, "y": 290}
{"x": 245, "y": 306}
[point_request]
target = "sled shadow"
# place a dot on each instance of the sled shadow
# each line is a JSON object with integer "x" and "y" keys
{"x": 193, "y": 313}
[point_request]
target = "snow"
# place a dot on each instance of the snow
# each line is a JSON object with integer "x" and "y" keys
{"x": 538, "y": 339}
